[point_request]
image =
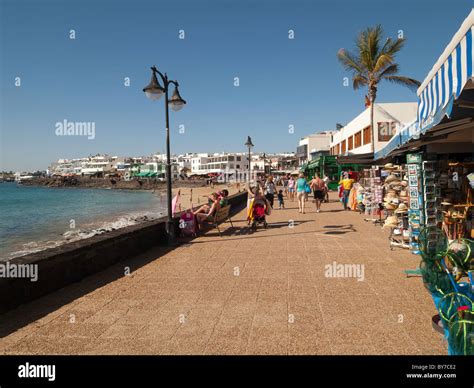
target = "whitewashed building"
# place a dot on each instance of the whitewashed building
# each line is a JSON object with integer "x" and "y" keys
{"x": 312, "y": 144}
{"x": 219, "y": 163}
{"x": 356, "y": 137}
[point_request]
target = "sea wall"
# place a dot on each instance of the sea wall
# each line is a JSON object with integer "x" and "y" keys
{"x": 66, "y": 264}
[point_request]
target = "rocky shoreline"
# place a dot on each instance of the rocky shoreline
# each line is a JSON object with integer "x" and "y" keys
{"x": 109, "y": 183}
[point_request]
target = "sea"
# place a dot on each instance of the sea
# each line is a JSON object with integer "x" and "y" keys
{"x": 36, "y": 218}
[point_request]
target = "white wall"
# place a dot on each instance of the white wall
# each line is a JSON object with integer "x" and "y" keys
{"x": 402, "y": 112}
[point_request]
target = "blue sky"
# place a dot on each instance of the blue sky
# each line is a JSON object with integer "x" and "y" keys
{"x": 282, "y": 82}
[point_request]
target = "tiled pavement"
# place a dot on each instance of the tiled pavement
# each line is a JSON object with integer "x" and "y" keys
{"x": 244, "y": 293}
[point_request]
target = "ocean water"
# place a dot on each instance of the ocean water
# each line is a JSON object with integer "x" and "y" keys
{"x": 36, "y": 218}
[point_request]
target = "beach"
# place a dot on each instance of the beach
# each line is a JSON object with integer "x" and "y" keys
{"x": 36, "y": 218}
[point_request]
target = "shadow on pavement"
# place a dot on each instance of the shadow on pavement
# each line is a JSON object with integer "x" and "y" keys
{"x": 38, "y": 308}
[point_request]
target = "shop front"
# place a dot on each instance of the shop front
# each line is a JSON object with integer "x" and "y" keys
{"x": 436, "y": 177}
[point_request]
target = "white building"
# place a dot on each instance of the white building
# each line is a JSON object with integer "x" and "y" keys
{"x": 98, "y": 165}
{"x": 312, "y": 144}
{"x": 389, "y": 118}
{"x": 219, "y": 163}
{"x": 66, "y": 167}
{"x": 184, "y": 162}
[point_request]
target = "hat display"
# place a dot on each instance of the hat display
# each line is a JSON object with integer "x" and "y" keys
{"x": 389, "y": 206}
{"x": 396, "y": 186}
{"x": 389, "y": 166}
{"x": 391, "y": 178}
{"x": 402, "y": 208}
{"x": 391, "y": 222}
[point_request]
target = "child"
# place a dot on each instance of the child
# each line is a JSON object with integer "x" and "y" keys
{"x": 281, "y": 202}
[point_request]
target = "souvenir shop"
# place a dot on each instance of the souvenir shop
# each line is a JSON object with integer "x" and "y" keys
{"x": 423, "y": 189}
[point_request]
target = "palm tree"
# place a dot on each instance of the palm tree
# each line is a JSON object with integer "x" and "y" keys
{"x": 372, "y": 63}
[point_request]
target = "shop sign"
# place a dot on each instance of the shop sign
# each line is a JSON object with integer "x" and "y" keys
{"x": 413, "y": 158}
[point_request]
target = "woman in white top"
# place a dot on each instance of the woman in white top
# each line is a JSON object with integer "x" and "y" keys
{"x": 291, "y": 188}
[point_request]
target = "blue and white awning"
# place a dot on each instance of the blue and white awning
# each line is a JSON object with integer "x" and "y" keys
{"x": 448, "y": 76}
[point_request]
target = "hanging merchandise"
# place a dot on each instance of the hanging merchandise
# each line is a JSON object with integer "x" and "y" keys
{"x": 372, "y": 194}
{"x": 396, "y": 206}
{"x": 415, "y": 215}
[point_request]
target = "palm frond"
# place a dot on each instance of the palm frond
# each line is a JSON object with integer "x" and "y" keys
{"x": 389, "y": 70}
{"x": 396, "y": 46}
{"x": 405, "y": 81}
{"x": 382, "y": 62}
{"x": 350, "y": 61}
{"x": 359, "y": 81}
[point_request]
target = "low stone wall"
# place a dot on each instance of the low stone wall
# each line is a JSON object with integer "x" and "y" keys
{"x": 63, "y": 265}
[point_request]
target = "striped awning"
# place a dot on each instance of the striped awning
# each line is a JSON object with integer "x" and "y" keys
{"x": 448, "y": 76}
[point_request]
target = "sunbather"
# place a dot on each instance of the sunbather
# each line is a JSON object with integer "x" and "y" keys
{"x": 205, "y": 211}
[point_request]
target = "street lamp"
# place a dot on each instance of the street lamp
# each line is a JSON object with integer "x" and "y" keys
{"x": 154, "y": 91}
{"x": 249, "y": 144}
{"x": 265, "y": 167}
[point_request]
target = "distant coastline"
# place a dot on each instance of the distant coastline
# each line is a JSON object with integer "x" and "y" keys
{"x": 109, "y": 183}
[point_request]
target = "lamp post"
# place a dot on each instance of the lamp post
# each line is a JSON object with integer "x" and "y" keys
{"x": 154, "y": 91}
{"x": 249, "y": 144}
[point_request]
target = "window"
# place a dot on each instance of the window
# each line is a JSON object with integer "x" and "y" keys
{"x": 367, "y": 135}
{"x": 358, "y": 139}
{"x": 238, "y": 165}
{"x": 238, "y": 158}
{"x": 231, "y": 158}
{"x": 350, "y": 144}
{"x": 343, "y": 147}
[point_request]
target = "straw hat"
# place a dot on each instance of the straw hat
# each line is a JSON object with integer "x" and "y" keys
{"x": 388, "y": 166}
{"x": 391, "y": 222}
{"x": 389, "y": 206}
{"x": 402, "y": 208}
{"x": 390, "y": 196}
{"x": 391, "y": 178}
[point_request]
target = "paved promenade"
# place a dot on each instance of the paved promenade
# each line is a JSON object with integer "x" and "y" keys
{"x": 244, "y": 293}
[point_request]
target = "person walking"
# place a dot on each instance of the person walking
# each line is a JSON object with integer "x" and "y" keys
{"x": 281, "y": 201}
{"x": 270, "y": 190}
{"x": 319, "y": 191}
{"x": 346, "y": 184}
{"x": 301, "y": 192}
{"x": 326, "y": 182}
{"x": 291, "y": 188}
{"x": 285, "y": 185}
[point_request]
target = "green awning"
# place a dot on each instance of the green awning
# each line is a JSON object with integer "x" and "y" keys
{"x": 313, "y": 164}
